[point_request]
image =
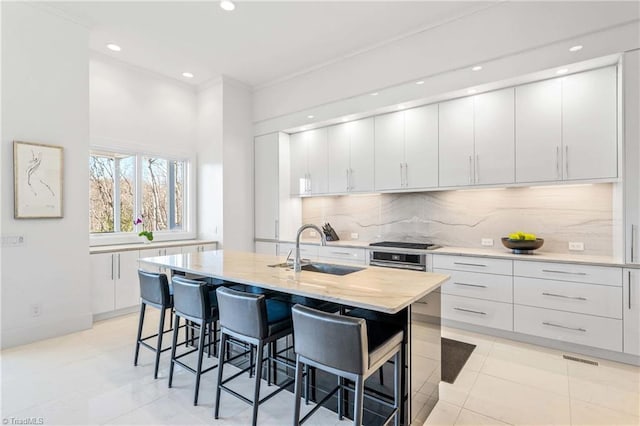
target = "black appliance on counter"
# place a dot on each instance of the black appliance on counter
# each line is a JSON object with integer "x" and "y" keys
{"x": 402, "y": 256}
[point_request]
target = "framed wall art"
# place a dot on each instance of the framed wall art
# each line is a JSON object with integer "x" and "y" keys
{"x": 37, "y": 177}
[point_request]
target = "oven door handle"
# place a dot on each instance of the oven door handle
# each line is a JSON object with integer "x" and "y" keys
{"x": 397, "y": 265}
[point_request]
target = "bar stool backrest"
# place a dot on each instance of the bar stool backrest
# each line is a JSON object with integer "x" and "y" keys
{"x": 154, "y": 289}
{"x": 191, "y": 299}
{"x": 242, "y": 313}
{"x": 331, "y": 340}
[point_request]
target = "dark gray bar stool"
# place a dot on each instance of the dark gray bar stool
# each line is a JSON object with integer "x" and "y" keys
{"x": 254, "y": 319}
{"x": 154, "y": 291}
{"x": 339, "y": 345}
{"x": 196, "y": 302}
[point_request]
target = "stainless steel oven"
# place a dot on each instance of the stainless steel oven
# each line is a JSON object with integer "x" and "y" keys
{"x": 411, "y": 258}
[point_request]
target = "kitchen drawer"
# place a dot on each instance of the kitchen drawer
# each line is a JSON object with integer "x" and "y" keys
{"x": 473, "y": 264}
{"x": 307, "y": 251}
{"x": 569, "y": 272}
{"x": 343, "y": 254}
{"x": 428, "y": 305}
{"x": 590, "y": 299}
{"x": 486, "y": 313}
{"x": 481, "y": 286}
{"x": 605, "y": 333}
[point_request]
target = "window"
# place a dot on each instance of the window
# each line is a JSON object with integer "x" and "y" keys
{"x": 124, "y": 187}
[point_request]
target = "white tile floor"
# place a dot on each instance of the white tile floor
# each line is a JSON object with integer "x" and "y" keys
{"x": 89, "y": 378}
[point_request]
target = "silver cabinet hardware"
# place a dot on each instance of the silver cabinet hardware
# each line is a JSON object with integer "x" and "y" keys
{"x": 470, "y": 264}
{"x": 277, "y": 229}
{"x": 558, "y": 162}
{"x": 475, "y": 168}
{"x": 563, "y": 272}
{"x": 471, "y": 285}
{"x": 629, "y": 289}
{"x": 112, "y": 266}
{"x": 565, "y": 297}
{"x": 470, "y": 170}
{"x": 401, "y": 175}
{"x": 566, "y": 161}
{"x": 550, "y": 324}
{"x": 470, "y": 311}
{"x": 633, "y": 243}
{"x": 118, "y": 265}
{"x": 343, "y": 253}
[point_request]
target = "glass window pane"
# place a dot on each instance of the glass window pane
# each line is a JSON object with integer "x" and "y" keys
{"x": 127, "y": 166}
{"x": 154, "y": 194}
{"x": 179, "y": 194}
{"x": 101, "y": 172}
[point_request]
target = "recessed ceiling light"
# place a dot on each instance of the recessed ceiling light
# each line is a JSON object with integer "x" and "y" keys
{"x": 114, "y": 47}
{"x": 562, "y": 71}
{"x": 374, "y": 94}
{"x": 310, "y": 116}
{"x": 419, "y": 82}
{"x": 476, "y": 68}
{"x": 227, "y": 5}
{"x": 575, "y": 48}
{"x": 471, "y": 91}
{"x": 187, "y": 75}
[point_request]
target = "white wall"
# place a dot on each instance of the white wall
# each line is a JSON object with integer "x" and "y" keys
{"x": 45, "y": 99}
{"x": 510, "y": 39}
{"x": 132, "y": 107}
{"x": 225, "y": 164}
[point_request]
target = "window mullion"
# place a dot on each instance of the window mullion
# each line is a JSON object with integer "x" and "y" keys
{"x": 171, "y": 195}
{"x": 116, "y": 196}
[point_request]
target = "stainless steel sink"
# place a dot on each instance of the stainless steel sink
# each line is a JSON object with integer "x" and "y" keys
{"x": 323, "y": 268}
{"x": 327, "y": 268}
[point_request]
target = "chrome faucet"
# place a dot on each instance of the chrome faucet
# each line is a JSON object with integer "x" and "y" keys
{"x": 297, "y": 266}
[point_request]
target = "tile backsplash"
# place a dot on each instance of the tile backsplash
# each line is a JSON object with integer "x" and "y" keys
{"x": 558, "y": 214}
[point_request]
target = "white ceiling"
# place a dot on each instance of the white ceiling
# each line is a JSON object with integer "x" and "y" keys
{"x": 259, "y": 42}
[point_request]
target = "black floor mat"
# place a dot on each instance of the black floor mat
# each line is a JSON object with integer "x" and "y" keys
{"x": 454, "y": 355}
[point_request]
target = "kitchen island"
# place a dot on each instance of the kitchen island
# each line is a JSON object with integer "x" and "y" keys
{"x": 387, "y": 293}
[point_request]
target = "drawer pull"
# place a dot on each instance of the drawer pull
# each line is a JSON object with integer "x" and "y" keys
{"x": 550, "y": 324}
{"x": 565, "y": 297}
{"x": 563, "y": 272}
{"x": 472, "y": 285}
{"x": 343, "y": 253}
{"x": 470, "y": 264}
{"x": 471, "y": 311}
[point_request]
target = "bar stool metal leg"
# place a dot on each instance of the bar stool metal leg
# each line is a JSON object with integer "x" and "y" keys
{"x": 159, "y": 345}
{"x": 223, "y": 350}
{"x": 397, "y": 391}
{"x": 140, "y": 324}
{"x": 256, "y": 398}
{"x": 297, "y": 392}
{"x": 199, "y": 365}
{"x": 173, "y": 347}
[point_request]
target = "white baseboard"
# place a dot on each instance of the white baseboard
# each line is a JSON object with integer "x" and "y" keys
{"x": 117, "y": 313}
{"x": 23, "y": 335}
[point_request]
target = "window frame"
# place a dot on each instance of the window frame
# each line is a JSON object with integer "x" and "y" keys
{"x": 188, "y": 202}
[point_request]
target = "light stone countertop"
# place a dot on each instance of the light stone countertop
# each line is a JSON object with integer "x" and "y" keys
{"x": 379, "y": 289}
{"x": 496, "y": 253}
{"x": 145, "y": 246}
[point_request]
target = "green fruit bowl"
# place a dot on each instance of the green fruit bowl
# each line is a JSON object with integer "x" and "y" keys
{"x": 522, "y": 246}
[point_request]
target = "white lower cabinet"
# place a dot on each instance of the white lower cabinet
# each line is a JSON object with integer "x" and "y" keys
{"x": 195, "y": 248}
{"x": 262, "y": 247}
{"x": 114, "y": 279}
{"x": 486, "y": 313}
{"x": 307, "y": 251}
{"x": 589, "y": 330}
{"x": 631, "y": 311}
{"x": 354, "y": 256}
{"x": 498, "y": 288}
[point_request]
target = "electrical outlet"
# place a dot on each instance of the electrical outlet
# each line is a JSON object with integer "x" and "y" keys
{"x": 312, "y": 233}
{"x": 576, "y": 246}
{"x": 487, "y": 242}
{"x": 36, "y": 310}
{"x": 354, "y": 235}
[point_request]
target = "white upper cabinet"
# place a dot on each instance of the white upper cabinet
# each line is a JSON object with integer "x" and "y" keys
{"x": 589, "y": 122}
{"x": 389, "y": 151}
{"x": 456, "y": 142}
{"x": 266, "y": 183}
{"x": 361, "y": 155}
{"x": 539, "y": 131}
{"x": 421, "y": 147}
{"x": 494, "y": 137}
{"x": 309, "y": 172}
{"x": 406, "y": 149}
{"x": 350, "y": 147}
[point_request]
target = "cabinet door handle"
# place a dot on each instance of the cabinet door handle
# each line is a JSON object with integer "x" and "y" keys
{"x": 343, "y": 253}
{"x": 351, "y": 186}
{"x": 566, "y": 161}
{"x": 470, "y": 264}
{"x": 470, "y": 311}
{"x": 563, "y": 272}
{"x": 401, "y": 176}
{"x": 277, "y": 229}
{"x": 112, "y": 266}
{"x": 118, "y": 265}
{"x": 633, "y": 243}
{"x": 406, "y": 175}
{"x": 550, "y": 324}
{"x": 472, "y": 285}
{"x": 629, "y": 272}
{"x": 470, "y": 170}
{"x": 565, "y": 297}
